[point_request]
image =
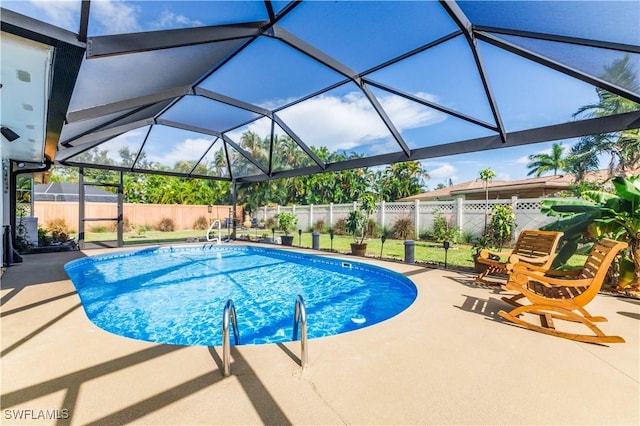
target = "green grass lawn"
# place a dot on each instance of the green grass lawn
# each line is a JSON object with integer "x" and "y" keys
{"x": 458, "y": 255}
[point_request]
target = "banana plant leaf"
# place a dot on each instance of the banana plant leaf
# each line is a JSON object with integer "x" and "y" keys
{"x": 576, "y": 208}
{"x": 629, "y": 189}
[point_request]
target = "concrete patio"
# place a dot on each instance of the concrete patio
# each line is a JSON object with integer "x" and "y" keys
{"x": 448, "y": 359}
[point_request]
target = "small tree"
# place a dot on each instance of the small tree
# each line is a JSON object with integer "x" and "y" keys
{"x": 286, "y": 222}
{"x": 503, "y": 221}
{"x": 486, "y": 175}
{"x": 356, "y": 222}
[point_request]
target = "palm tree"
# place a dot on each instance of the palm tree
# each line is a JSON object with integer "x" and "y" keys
{"x": 486, "y": 175}
{"x": 400, "y": 180}
{"x": 624, "y": 146}
{"x": 581, "y": 160}
{"x": 543, "y": 163}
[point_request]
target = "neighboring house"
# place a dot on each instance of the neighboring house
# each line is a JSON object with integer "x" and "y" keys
{"x": 69, "y": 192}
{"x": 537, "y": 187}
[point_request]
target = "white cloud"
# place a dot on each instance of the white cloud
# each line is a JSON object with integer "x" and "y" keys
{"x": 61, "y": 13}
{"x": 502, "y": 176}
{"x": 349, "y": 122}
{"x": 116, "y": 17}
{"x": 169, "y": 20}
{"x": 189, "y": 149}
{"x": 439, "y": 171}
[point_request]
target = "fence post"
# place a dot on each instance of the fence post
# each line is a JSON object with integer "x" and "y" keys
{"x": 331, "y": 215}
{"x": 459, "y": 214}
{"x": 416, "y": 218}
{"x": 265, "y": 214}
{"x": 382, "y": 207}
{"x": 355, "y": 205}
{"x": 514, "y": 205}
{"x": 311, "y": 216}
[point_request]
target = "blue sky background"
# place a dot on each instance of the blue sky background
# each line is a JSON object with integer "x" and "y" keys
{"x": 528, "y": 94}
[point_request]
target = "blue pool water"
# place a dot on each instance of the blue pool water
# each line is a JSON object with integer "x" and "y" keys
{"x": 176, "y": 295}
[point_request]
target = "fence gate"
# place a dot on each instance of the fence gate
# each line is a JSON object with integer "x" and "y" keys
{"x": 118, "y": 219}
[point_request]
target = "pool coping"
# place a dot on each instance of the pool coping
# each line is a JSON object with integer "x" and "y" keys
{"x": 447, "y": 359}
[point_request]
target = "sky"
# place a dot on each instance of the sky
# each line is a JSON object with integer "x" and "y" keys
{"x": 526, "y": 94}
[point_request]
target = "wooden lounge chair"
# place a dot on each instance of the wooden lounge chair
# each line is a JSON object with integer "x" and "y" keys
{"x": 552, "y": 297}
{"x": 533, "y": 247}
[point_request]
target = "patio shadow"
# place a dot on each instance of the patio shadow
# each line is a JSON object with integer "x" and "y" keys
{"x": 72, "y": 382}
{"x": 630, "y": 315}
{"x": 486, "y": 307}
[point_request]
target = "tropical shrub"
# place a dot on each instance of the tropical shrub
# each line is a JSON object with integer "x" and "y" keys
{"x": 442, "y": 231}
{"x": 43, "y": 238}
{"x": 286, "y": 222}
{"x": 601, "y": 214}
{"x": 355, "y": 224}
{"x": 318, "y": 226}
{"x": 402, "y": 229}
{"x": 166, "y": 225}
{"x": 59, "y": 230}
{"x": 466, "y": 237}
{"x": 357, "y": 221}
{"x": 201, "y": 223}
{"x": 372, "y": 229}
{"x": 340, "y": 227}
{"x": 270, "y": 223}
{"x": 503, "y": 222}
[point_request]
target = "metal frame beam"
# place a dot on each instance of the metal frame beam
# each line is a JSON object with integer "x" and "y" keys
{"x": 94, "y": 139}
{"x": 559, "y": 38}
{"x": 32, "y": 29}
{"x": 118, "y": 44}
{"x": 452, "y": 8}
{"x": 385, "y": 119}
{"x": 140, "y": 101}
{"x": 432, "y": 105}
{"x": 299, "y": 141}
{"x": 311, "y": 51}
{"x": 630, "y": 120}
{"x": 200, "y": 91}
{"x": 557, "y": 66}
{"x": 245, "y": 154}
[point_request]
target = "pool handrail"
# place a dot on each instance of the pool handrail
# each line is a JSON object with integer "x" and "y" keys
{"x": 229, "y": 313}
{"x": 216, "y": 239}
{"x": 300, "y": 316}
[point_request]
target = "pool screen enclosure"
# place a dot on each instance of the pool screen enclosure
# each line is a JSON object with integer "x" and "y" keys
{"x": 247, "y": 91}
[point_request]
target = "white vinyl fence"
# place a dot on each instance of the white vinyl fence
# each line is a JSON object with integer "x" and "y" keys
{"x": 467, "y": 215}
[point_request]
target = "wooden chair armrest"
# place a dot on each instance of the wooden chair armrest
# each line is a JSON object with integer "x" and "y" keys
{"x": 521, "y": 266}
{"x": 521, "y": 277}
{"x": 566, "y": 273}
{"x": 486, "y": 254}
{"x": 515, "y": 258}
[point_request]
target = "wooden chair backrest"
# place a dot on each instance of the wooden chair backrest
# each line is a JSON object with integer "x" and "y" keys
{"x": 534, "y": 243}
{"x": 600, "y": 258}
{"x": 596, "y": 266}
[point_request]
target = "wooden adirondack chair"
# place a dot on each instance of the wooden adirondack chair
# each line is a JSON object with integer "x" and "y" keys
{"x": 533, "y": 247}
{"x": 552, "y": 297}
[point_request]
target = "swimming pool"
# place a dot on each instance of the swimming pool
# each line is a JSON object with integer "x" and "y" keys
{"x": 176, "y": 295}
